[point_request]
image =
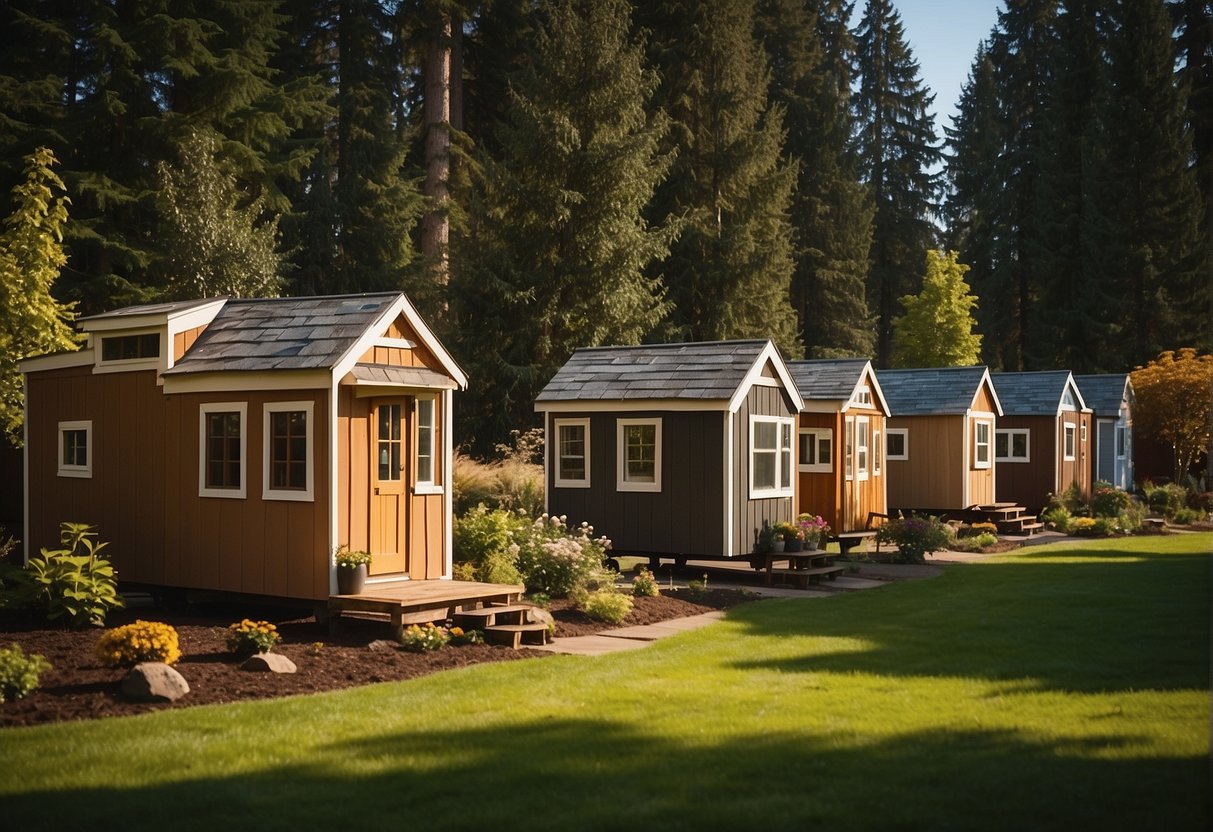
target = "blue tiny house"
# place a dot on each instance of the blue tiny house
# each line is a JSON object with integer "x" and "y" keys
{"x": 1111, "y": 398}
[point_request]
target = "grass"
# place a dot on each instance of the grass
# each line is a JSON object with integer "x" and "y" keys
{"x": 1061, "y": 687}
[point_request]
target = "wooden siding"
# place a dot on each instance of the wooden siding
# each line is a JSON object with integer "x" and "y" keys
{"x": 933, "y": 477}
{"x": 1029, "y": 483}
{"x": 182, "y": 341}
{"x": 749, "y": 515}
{"x": 984, "y": 400}
{"x": 821, "y": 492}
{"x": 418, "y": 356}
{"x": 1077, "y": 470}
{"x": 684, "y": 518}
{"x": 844, "y": 504}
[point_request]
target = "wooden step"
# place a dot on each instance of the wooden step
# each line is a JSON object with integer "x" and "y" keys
{"x": 515, "y": 635}
{"x": 482, "y": 617}
{"x": 803, "y": 576}
{"x": 1028, "y": 529}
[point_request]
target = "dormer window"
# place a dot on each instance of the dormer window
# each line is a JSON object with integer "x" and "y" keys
{"x": 863, "y": 396}
{"x": 130, "y": 347}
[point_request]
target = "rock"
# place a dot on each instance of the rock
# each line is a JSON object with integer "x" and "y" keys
{"x": 269, "y": 663}
{"x": 383, "y": 646}
{"x": 538, "y": 615}
{"x": 154, "y": 682}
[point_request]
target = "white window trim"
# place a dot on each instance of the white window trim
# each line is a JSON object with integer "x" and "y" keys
{"x": 977, "y": 443}
{"x": 122, "y": 365}
{"x": 1084, "y": 432}
{"x": 308, "y": 494}
{"x": 862, "y": 471}
{"x": 430, "y": 486}
{"x": 904, "y": 433}
{"x": 815, "y": 435}
{"x": 781, "y": 489}
{"x": 621, "y": 483}
{"x": 862, "y": 397}
{"x": 205, "y": 410}
{"x": 1010, "y": 433}
{"x": 877, "y": 452}
{"x": 848, "y": 449}
{"x": 1069, "y": 431}
{"x": 84, "y": 471}
{"x": 557, "y": 480}
{"x": 1120, "y": 442}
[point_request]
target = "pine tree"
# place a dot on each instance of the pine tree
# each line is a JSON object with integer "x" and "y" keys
{"x": 898, "y": 153}
{"x": 559, "y": 250}
{"x": 1149, "y": 237}
{"x": 729, "y": 273}
{"x": 32, "y": 322}
{"x": 219, "y": 243}
{"x": 811, "y": 51}
{"x": 937, "y": 329}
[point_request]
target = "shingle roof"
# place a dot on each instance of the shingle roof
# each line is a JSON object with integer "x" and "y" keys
{"x": 404, "y": 376}
{"x": 166, "y": 308}
{"x": 1103, "y": 393}
{"x": 931, "y": 391}
{"x": 1031, "y": 394}
{"x": 827, "y": 378}
{"x": 283, "y": 333}
{"x": 704, "y": 371}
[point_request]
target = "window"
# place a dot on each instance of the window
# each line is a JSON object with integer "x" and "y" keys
{"x": 388, "y": 444}
{"x": 863, "y": 396}
{"x": 1067, "y": 400}
{"x": 572, "y": 453}
{"x": 288, "y": 457}
{"x": 1121, "y": 442}
{"x": 862, "y": 445}
{"x": 76, "y": 449}
{"x": 817, "y": 450}
{"x": 1012, "y": 445}
{"x": 1069, "y": 441}
{"x": 877, "y": 451}
{"x": 1084, "y": 432}
{"x": 981, "y": 444}
{"x": 425, "y": 443}
{"x": 221, "y": 449}
{"x": 849, "y": 449}
{"x": 770, "y": 456}
{"x": 639, "y": 459}
{"x": 130, "y": 347}
{"x": 897, "y": 443}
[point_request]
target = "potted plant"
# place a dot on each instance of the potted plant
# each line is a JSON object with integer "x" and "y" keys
{"x": 793, "y": 537}
{"x": 767, "y": 536}
{"x": 351, "y": 571}
{"x": 814, "y": 530}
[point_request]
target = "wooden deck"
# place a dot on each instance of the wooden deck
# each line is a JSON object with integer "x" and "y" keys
{"x": 414, "y": 602}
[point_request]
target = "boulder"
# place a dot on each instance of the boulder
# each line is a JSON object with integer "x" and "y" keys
{"x": 383, "y": 646}
{"x": 154, "y": 682}
{"x": 538, "y": 615}
{"x": 269, "y": 663}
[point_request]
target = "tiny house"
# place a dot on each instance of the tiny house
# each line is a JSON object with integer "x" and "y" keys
{"x": 673, "y": 450}
{"x": 939, "y": 438}
{"x": 1111, "y": 400}
{"x": 234, "y": 445}
{"x": 1042, "y": 445}
{"x": 840, "y": 470}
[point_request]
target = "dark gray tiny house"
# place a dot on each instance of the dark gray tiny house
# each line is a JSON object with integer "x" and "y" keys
{"x": 681, "y": 450}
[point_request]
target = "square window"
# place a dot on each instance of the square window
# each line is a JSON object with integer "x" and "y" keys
{"x": 76, "y": 449}
{"x": 1012, "y": 445}
{"x": 816, "y": 450}
{"x": 897, "y": 443}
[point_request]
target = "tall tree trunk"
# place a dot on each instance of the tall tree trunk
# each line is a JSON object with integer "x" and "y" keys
{"x": 435, "y": 226}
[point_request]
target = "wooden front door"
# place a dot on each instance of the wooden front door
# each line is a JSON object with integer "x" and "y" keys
{"x": 389, "y": 470}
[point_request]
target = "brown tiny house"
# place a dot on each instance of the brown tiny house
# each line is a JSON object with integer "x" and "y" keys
{"x": 1043, "y": 442}
{"x": 939, "y": 440}
{"x": 842, "y": 427}
{"x": 234, "y": 445}
{"x": 677, "y": 449}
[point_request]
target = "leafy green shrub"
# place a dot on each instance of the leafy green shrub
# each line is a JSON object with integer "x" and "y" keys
{"x": 78, "y": 588}
{"x": 425, "y": 639}
{"x": 1094, "y": 526}
{"x": 461, "y": 636}
{"x": 608, "y": 605}
{"x": 482, "y": 537}
{"x": 19, "y": 672}
{"x": 976, "y": 529}
{"x": 540, "y": 599}
{"x": 1108, "y": 501}
{"x": 644, "y": 585}
{"x": 985, "y": 539}
{"x": 143, "y": 641}
{"x": 555, "y": 559}
{"x": 1186, "y": 516}
{"x": 1058, "y": 518}
{"x": 463, "y": 571}
{"x": 916, "y": 536}
{"x": 247, "y": 636}
{"x": 1165, "y": 499}
{"x": 1202, "y": 501}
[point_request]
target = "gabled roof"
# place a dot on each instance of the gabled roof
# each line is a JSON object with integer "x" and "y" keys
{"x": 1104, "y": 393}
{"x": 934, "y": 391}
{"x": 696, "y": 372}
{"x": 283, "y": 333}
{"x": 1036, "y": 394}
{"x": 834, "y": 379}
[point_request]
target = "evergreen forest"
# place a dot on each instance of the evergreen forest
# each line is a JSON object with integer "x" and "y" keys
{"x": 541, "y": 175}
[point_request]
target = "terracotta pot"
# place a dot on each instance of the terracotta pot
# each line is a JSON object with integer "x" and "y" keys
{"x": 351, "y": 580}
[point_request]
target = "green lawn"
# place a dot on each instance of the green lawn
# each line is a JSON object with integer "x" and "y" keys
{"x": 1064, "y": 687}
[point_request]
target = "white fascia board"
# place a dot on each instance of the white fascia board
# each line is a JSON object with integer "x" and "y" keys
{"x": 630, "y": 405}
{"x": 373, "y": 333}
{"x": 238, "y": 382}
{"x": 768, "y": 353}
{"x": 56, "y": 361}
{"x": 869, "y": 372}
{"x": 181, "y": 319}
{"x": 987, "y": 380}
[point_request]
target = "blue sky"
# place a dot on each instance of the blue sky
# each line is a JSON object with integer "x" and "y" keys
{"x": 944, "y": 35}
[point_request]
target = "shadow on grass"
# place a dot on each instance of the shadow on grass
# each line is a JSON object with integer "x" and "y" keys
{"x": 1116, "y": 622}
{"x": 588, "y": 774}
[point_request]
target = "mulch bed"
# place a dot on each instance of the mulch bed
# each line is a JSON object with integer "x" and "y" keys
{"x": 79, "y": 687}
